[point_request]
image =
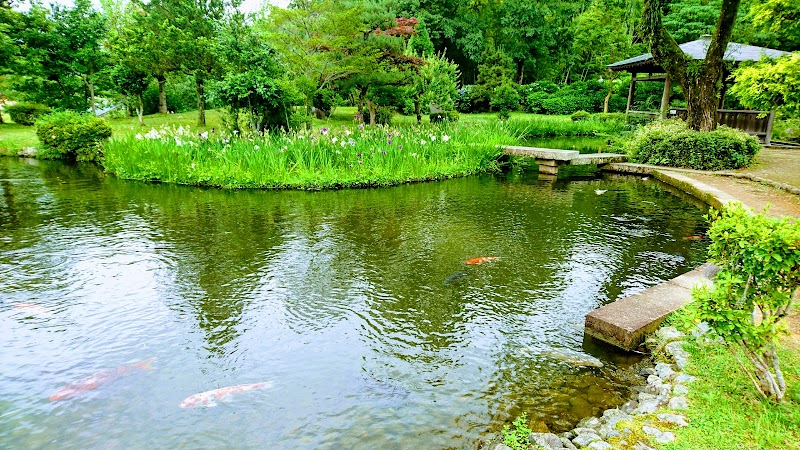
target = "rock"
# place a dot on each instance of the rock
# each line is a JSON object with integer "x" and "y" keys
{"x": 679, "y": 390}
{"x": 568, "y": 444}
{"x": 644, "y": 396}
{"x": 641, "y": 446}
{"x": 647, "y": 371}
{"x": 678, "y": 403}
{"x": 600, "y": 445}
{"x": 589, "y": 422}
{"x": 629, "y": 406}
{"x": 666, "y": 333}
{"x": 679, "y": 355}
{"x": 584, "y": 430}
{"x": 674, "y": 419}
{"x": 569, "y": 435}
{"x": 684, "y": 378}
{"x": 573, "y": 358}
{"x": 611, "y": 413}
{"x": 662, "y": 437}
{"x": 28, "y": 152}
{"x": 647, "y": 407}
{"x": 654, "y": 380}
{"x": 584, "y": 439}
{"x": 502, "y": 447}
{"x": 549, "y": 441}
{"x": 607, "y": 431}
{"x": 665, "y": 371}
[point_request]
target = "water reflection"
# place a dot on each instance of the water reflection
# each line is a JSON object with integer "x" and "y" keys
{"x": 338, "y": 298}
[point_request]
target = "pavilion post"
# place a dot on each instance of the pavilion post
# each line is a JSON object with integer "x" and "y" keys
{"x": 665, "y": 96}
{"x": 631, "y": 91}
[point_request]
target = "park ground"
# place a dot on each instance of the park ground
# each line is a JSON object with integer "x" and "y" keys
{"x": 726, "y": 412}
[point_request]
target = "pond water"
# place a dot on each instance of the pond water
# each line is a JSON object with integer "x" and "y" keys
{"x": 356, "y": 307}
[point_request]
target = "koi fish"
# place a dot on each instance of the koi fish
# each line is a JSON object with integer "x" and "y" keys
{"x": 455, "y": 278}
{"x": 208, "y": 398}
{"x": 697, "y": 237}
{"x": 600, "y": 191}
{"x": 481, "y": 260}
{"x": 33, "y": 308}
{"x": 100, "y": 378}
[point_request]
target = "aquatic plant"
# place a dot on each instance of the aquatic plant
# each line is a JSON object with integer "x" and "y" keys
{"x": 323, "y": 158}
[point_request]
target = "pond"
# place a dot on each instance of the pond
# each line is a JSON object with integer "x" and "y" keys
{"x": 354, "y": 308}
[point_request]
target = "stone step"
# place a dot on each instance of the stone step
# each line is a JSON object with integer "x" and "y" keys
{"x": 626, "y": 322}
{"x": 541, "y": 153}
{"x": 598, "y": 159}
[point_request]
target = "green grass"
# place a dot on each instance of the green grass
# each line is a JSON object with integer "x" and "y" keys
{"x": 727, "y": 412}
{"x": 344, "y": 156}
{"x": 15, "y": 137}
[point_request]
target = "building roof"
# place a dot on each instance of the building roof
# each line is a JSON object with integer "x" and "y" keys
{"x": 697, "y": 49}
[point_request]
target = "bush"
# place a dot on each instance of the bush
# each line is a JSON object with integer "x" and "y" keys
{"x": 463, "y": 100}
{"x": 70, "y": 135}
{"x": 383, "y": 115}
{"x": 672, "y": 143}
{"x": 577, "y": 116}
{"x": 506, "y": 99}
{"x": 566, "y": 103}
{"x": 26, "y": 113}
{"x": 447, "y": 116}
{"x": 759, "y": 271}
{"x": 533, "y": 102}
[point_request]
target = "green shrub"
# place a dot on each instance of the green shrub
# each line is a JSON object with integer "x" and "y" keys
{"x": 566, "y": 103}
{"x": 787, "y": 130}
{"x": 577, "y": 116}
{"x": 383, "y": 115}
{"x": 672, "y": 143}
{"x": 447, "y": 116}
{"x": 534, "y": 100}
{"x": 506, "y": 99}
{"x": 518, "y": 438}
{"x": 759, "y": 272}
{"x": 70, "y": 135}
{"x": 26, "y": 113}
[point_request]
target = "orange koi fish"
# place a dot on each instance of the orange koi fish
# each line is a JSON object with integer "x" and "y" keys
{"x": 481, "y": 260}
{"x": 208, "y": 398}
{"x": 697, "y": 237}
{"x": 99, "y": 379}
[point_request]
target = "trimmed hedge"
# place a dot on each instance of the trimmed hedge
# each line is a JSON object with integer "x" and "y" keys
{"x": 26, "y": 113}
{"x": 71, "y": 135}
{"x": 672, "y": 143}
{"x": 577, "y": 116}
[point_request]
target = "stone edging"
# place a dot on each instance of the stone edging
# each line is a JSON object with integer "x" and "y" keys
{"x": 666, "y": 388}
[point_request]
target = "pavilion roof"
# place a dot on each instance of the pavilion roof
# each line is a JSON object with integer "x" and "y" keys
{"x": 697, "y": 49}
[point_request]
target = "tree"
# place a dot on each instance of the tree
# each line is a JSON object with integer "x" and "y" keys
{"x": 132, "y": 83}
{"x": 601, "y": 39}
{"x": 781, "y": 17}
{"x": 81, "y": 30}
{"x": 700, "y": 80}
{"x": 770, "y": 84}
{"x": 252, "y": 81}
{"x": 316, "y": 42}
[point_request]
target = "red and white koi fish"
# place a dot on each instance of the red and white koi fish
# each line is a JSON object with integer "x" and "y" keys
{"x": 208, "y": 398}
{"x": 481, "y": 260}
{"x": 100, "y": 378}
{"x": 30, "y": 307}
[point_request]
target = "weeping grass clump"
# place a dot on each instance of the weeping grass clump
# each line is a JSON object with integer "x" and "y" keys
{"x": 350, "y": 156}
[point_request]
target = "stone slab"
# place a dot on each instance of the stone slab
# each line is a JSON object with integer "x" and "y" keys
{"x": 541, "y": 153}
{"x": 626, "y": 322}
{"x": 598, "y": 159}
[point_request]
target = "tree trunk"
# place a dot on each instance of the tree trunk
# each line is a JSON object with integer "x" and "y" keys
{"x": 418, "y": 109}
{"x": 610, "y": 91}
{"x": 162, "y": 94}
{"x": 201, "y": 100}
{"x": 699, "y": 80}
{"x": 701, "y": 104}
{"x": 140, "y": 110}
{"x": 90, "y": 88}
{"x": 372, "y": 111}
{"x": 520, "y": 70}
{"x": 309, "y": 106}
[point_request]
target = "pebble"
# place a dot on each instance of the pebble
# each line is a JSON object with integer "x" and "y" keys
{"x": 629, "y": 406}
{"x": 679, "y": 355}
{"x": 607, "y": 431}
{"x": 646, "y": 407}
{"x": 568, "y": 444}
{"x": 685, "y": 378}
{"x": 665, "y": 371}
{"x": 680, "y": 389}
{"x": 588, "y": 422}
{"x": 662, "y": 437}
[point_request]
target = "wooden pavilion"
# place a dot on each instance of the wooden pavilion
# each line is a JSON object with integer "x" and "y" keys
{"x": 746, "y": 120}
